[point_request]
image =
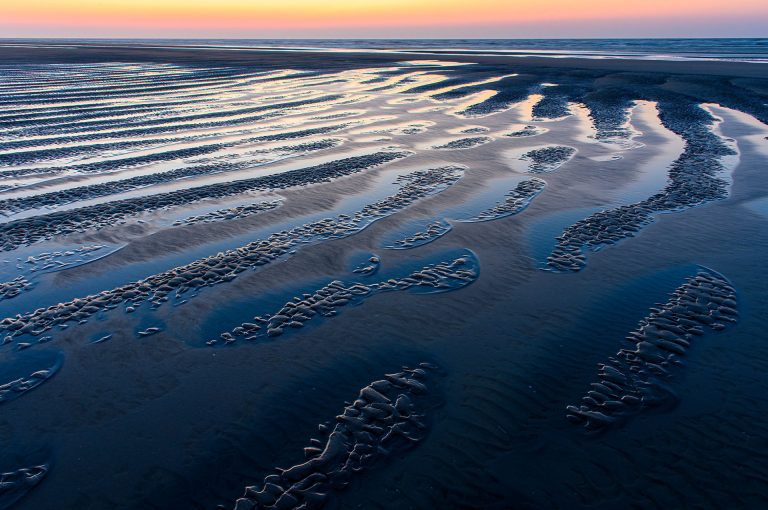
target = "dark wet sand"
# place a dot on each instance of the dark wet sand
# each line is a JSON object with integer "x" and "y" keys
{"x": 270, "y": 59}
{"x": 164, "y": 421}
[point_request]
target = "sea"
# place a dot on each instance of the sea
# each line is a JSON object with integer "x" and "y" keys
{"x": 732, "y": 49}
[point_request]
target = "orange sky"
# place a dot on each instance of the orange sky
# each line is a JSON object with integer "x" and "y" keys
{"x": 403, "y": 18}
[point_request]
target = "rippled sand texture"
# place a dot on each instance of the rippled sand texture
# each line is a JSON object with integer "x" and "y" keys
{"x": 383, "y": 419}
{"x": 631, "y": 381}
{"x": 203, "y": 261}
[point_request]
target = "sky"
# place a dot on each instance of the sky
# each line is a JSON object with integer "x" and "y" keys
{"x": 383, "y": 18}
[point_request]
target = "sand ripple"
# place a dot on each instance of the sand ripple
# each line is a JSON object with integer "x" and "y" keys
{"x": 387, "y": 417}
{"x": 636, "y": 378}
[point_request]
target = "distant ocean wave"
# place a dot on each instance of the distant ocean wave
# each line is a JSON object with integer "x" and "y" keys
{"x": 741, "y": 49}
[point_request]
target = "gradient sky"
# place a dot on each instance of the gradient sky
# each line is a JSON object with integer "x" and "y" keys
{"x": 383, "y": 18}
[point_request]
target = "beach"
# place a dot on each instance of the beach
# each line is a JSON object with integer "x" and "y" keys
{"x": 258, "y": 278}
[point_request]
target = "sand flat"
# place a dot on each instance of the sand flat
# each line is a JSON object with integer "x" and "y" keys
{"x": 541, "y": 277}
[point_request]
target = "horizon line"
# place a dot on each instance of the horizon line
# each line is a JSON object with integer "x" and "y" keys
{"x": 378, "y": 38}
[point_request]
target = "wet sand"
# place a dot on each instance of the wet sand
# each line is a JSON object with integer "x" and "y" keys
{"x": 539, "y": 291}
{"x": 266, "y": 58}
